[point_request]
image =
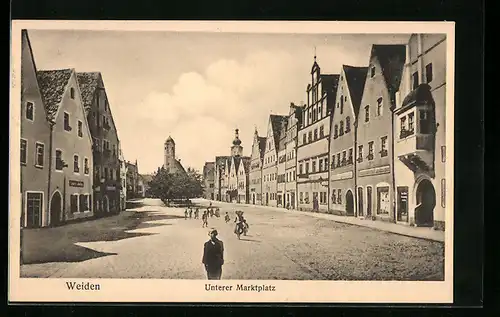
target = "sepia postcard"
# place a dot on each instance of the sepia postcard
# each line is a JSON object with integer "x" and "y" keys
{"x": 203, "y": 161}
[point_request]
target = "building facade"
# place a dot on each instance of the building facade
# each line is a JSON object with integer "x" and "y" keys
{"x": 35, "y": 141}
{"x": 123, "y": 180}
{"x": 420, "y": 134}
{"x": 107, "y": 175}
{"x": 70, "y": 147}
{"x": 209, "y": 180}
{"x": 281, "y": 165}
{"x": 270, "y": 162}
{"x": 132, "y": 179}
{"x": 313, "y": 141}
{"x": 374, "y": 166}
{"x": 221, "y": 177}
{"x": 255, "y": 177}
{"x": 294, "y": 120}
{"x": 343, "y": 140}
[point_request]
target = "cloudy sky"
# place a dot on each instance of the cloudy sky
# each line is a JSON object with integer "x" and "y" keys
{"x": 198, "y": 87}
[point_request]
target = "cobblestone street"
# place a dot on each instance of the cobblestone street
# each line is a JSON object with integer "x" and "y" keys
{"x": 157, "y": 242}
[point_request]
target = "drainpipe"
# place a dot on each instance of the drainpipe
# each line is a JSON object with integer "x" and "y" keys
{"x": 393, "y": 177}
{"x": 51, "y": 133}
{"x": 355, "y": 161}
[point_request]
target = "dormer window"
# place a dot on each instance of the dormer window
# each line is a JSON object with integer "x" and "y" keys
{"x": 72, "y": 92}
{"x": 372, "y": 71}
{"x": 30, "y": 111}
{"x": 380, "y": 107}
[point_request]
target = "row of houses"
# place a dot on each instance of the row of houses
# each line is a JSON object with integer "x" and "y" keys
{"x": 72, "y": 165}
{"x": 370, "y": 142}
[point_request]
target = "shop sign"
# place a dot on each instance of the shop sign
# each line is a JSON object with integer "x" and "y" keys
{"x": 73, "y": 183}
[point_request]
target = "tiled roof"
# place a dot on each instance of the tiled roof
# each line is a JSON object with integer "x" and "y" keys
{"x": 52, "y": 85}
{"x": 391, "y": 59}
{"x": 246, "y": 163}
{"x": 179, "y": 166}
{"x": 237, "y": 161}
{"x": 422, "y": 94}
{"x": 276, "y": 121}
{"x": 88, "y": 83}
{"x": 262, "y": 146}
{"x": 355, "y": 78}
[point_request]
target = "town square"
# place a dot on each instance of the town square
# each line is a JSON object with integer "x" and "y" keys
{"x": 268, "y": 157}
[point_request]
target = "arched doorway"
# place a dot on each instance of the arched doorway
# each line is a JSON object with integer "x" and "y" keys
{"x": 55, "y": 209}
{"x": 105, "y": 204}
{"x": 349, "y": 203}
{"x": 426, "y": 201}
{"x": 361, "y": 212}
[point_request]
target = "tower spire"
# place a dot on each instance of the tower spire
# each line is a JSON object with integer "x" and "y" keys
{"x": 315, "y": 53}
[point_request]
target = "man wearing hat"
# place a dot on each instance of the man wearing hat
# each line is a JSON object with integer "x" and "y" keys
{"x": 213, "y": 256}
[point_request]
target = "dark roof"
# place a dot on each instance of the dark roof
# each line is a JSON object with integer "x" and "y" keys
{"x": 237, "y": 160}
{"x": 330, "y": 82}
{"x": 88, "y": 83}
{"x": 262, "y": 146}
{"x": 52, "y": 85}
{"x": 179, "y": 166}
{"x": 219, "y": 160}
{"x": 355, "y": 78}
{"x": 421, "y": 95}
{"x": 276, "y": 121}
{"x": 208, "y": 167}
{"x": 246, "y": 163}
{"x": 391, "y": 59}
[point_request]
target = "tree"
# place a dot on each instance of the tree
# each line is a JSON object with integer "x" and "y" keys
{"x": 174, "y": 186}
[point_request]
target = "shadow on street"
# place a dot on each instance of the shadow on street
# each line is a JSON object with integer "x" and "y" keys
{"x": 57, "y": 244}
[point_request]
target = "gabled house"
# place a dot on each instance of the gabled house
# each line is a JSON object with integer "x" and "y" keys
{"x": 281, "y": 165}
{"x": 270, "y": 163}
{"x": 255, "y": 176}
{"x": 209, "y": 180}
{"x": 70, "y": 146}
{"x": 238, "y": 179}
{"x": 374, "y": 166}
{"x": 420, "y": 134}
{"x": 123, "y": 180}
{"x": 343, "y": 140}
{"x": 34, "y": 145}
{"x": 313, "y": 141}
{"x": 107, "y": 180}
{"x": 221, "y": 180}
{"x": 294, "y": 121}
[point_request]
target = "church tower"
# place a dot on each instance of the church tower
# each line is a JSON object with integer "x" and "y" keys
{"x": 169, "y": 149}
{"x": 236, "y": 149}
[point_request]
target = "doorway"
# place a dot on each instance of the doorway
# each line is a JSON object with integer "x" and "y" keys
{"x": 360, "y": 202}
{"x": 55, "y": 209}
{"x": 267, "y": 199}
{"x": 253, "y": 199}
{"x": 292, "y": 200}
{"x": 369, "y": 201}
{"x": 105, "y": 204}
{"x": 349, "y": 203}
{"x": 426, "y": 201}
{"x": 402, "y": 213}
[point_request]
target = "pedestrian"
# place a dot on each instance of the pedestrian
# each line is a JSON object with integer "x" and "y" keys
{"x": 190, "y": 213}
{"x": 204, "y": 218}
{"x": 197, "y": 213}
{"x": 185, "y": 214}
{"x": 213, "y": 256}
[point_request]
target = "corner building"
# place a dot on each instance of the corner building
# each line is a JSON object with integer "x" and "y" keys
{"x": 255, "y": 176}
{"x": 420, "y": 134}
{"x": 313, "y": 141}
{"x": 374, "y": 166}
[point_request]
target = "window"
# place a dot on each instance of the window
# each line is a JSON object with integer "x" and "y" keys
{"x": 372, "y": 71}
{"x": 428, "y": 73}
{"x": 322, "y": 198}
{"x": 425, "y": 127}
{"x": 315, "y": 134}
{"x": 307, "y": 168}
{"x": 67, "y": 127}
{"x": 86, "y": 166}
{"x": 34, "y": 203}
{"x": 344, "y": 157}
{"x": 370, "y": 150}
{"x": 304, "y": 138}
{"x": 333, "y": 162}
{"x": 383, "y": 146}
{"x": 314, "y": 166}
{"x": 24, "y": 151}
{"x": 338, "y": 160}
{"x": 383, "y": 200}
{"x": 293, "y": 175}
{"x": 300, "y": 169}
{"x": 59, "y": 160}
{"x": 114, "y": 149}
{"x": 380, "y": 107}
{"x": 414, "y": 80}
{"x": 443, "y": 193}
{"x": 30, "y": 111}
{"x": 310, "y": 136}
{"x": 74, "y": 203}
{"x": 320, "y": 111}
{"x": 336, "y": 132}
{"x": 321, "y": 131}
{"x": 339, "y": 196}
{"x": 80, "y": 128}
{"x": 341, "y": 105}
{"x": 411, "y": 127}
{"x": 349, "y": 157}
{"x": 360, "y": 153}
{"x": 367, "y": 113}
{"x": 39, "y": 154}
{"x": 326, "y": 163}
{"x": 341, "y": 128}
{"x": 347, "y": 125}
{"x": 76, "y": 164}
{"x": 301, "y": 197}
{"x": 83, "y": 203}
{"x": 443, "y": 153}
{"x": 321, "y": 165}
{"x": 72, "y": 93}
{"x": 334, "y": 196}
